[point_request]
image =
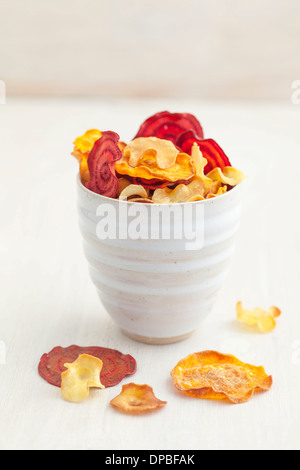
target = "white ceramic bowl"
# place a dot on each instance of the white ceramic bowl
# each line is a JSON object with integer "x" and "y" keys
{"x": 157, "y": 291}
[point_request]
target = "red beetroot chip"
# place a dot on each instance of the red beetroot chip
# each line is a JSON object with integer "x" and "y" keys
{"x": 213, "y": 153}
{"x": 169, "y": 126}
{"x": 116, "y": 365}
{"x": 151, "y": 184}
{"x": 101, "y": 163}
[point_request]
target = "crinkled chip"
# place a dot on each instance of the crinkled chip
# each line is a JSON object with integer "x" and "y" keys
{"x": 182, "y": 193}
{"x": 137, "y": 399}
{"x": 212, "y": 375}
{"x": 164, "y": 151}
{"x": 101, "y": 163}
{"x": 148, "y": 169}
{"x": 123, "y": 183}
{"x": 80, "y": 376}
{"x": 265, "y": 320}
{"x": 116, "y": 365}
{"x": 82, "y": 148}
{"x": 211, "y": 151}
{"x": 85, "y": 143}
{"x": 133, "y": 190}
{"x": 166, "y": 125}
{"x": 228, "y": 175}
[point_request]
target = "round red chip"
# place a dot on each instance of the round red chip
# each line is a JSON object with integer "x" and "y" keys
{"x": 101, "y": 164}
{"x": 151, "y": 184}
{"x": 116, "y": 365}
{"x": 213, "y": 153}
{"x": 169, "y": 126}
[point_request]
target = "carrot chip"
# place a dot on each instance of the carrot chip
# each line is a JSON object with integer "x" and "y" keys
{"x": 137, "y": 399}
{"x": 264, "y": 320}
{"x": 80, "y": 376}
{"x": 216, "y": 376}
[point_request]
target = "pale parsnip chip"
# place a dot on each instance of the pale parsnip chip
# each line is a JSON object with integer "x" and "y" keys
{"x": 182, "y": 193}
{"x": 80, "y": 376}
{"x": 264, "y": 320}
{"x": 229, "y": 175}
{"x": 164, "y": 151}
{"x": 200, "y": 163}
{"x": 123, "y": 183}
{"x": 133, "y": 190}
{"x": 137, "y": 399}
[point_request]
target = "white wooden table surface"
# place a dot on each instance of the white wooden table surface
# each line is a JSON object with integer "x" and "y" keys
{"x": 47, "y": 298}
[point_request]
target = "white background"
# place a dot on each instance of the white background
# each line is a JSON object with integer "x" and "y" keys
{"x": 47, "y": 298}
{"x": 216, "y": 49}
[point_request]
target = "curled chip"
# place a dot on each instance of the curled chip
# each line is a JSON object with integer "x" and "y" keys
{"x": 116, "y": 365}
{"x": 82, "y": 147}
{"x": 80, "y": 376}
{"x": 228, "y": 175}
{"x": 144, "y": 200}
{"x": 265, "y": 320}
{"x": 101, "y": 163}
{"x": 85, "y": 143}
{"x": 212, "y": 375}
{"x": 163, "y": 151}
{"x": 133, "y": 190}
{"x": 123, "y": 183}
{"x": 137, "y": 399}
{"x": 182, "y": 193}
{"x": 151, "y": 184}
{"x": 213, "y": 153}
{"x": 169, "y": 126}
{"x": 148, "y": 169}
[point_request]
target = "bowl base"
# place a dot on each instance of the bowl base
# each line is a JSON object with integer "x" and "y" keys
{"x": 145, "y": 339}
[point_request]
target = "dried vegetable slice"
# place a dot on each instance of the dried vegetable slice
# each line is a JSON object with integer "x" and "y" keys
{"x": 229, "y": 175}
{"x": 149, "y": 170}
{"x": 101, "y": 163}
{"x": 133, "y": 190}
{"x": 116, "y": 365}
{"x": 210, "y": 374}
{"x": 169, "y": 126}
{"x": 137, "y": 399}
{"x": 80, "y": 376}
{"x": 82, "y": 148}
{"x": 151, "y": 184}
{"x": 213, "y": 153}
{"x": 182, "y": 193}
{"x": 164, "y": 151}
{"x": 264, "y": 320}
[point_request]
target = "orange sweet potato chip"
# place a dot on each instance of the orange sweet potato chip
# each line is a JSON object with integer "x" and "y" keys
{"x": 148, "y": 169}
{"x": 212, "y": 375}
{"x": 137, "y": 399}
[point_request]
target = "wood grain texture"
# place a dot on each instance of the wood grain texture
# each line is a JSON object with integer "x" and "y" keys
{"x": 47, "y": 298}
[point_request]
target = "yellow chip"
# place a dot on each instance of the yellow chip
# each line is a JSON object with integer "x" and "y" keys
{"x": 80, "y": 376}
{"x": 164, "y": 151}
{"x": 264, "y": 320}
{"x": 85, "y": 143}
{"x": 182, "y": 193}
{"x": 229, "y": 175}
{"x": 200, "y": 163}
